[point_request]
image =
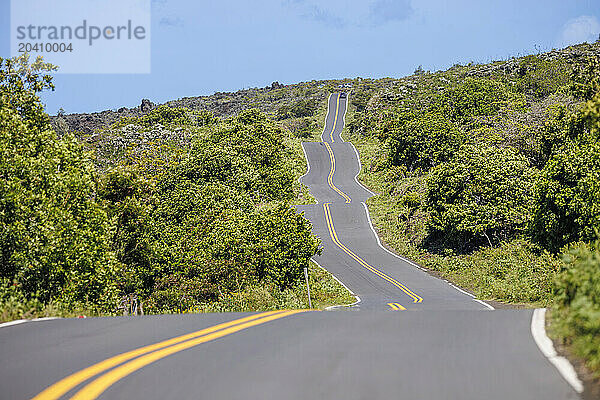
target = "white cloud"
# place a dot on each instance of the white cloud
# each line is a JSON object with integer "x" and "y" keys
{"x": 577, "y": 30}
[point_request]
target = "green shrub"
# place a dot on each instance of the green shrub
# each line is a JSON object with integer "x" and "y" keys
{"x": 165, "y": 115}
{"x": 14, "y": 304}
{"x": 567, "y": 199}
{"x": 301, "y": 127}
{"x": 477, "y": 97}
{"x": 178, "y": 293}
{"x": 411, "y": 200}
{"x": 298, "y": 109}
{"x": 231, "y": 252}
{"x": 539, "y": 78}
{"x": 246, "y": 152}
{"x": 360, "y": 98}
{"x": 584, "y": 78}
{"x": 215, "y": 224}
{"x": 128, "y": 198}
{"x": 169, "y": 117}
{"x": 421, "y": 140}
{"x": 550, "y": 136}
{"x": 483, "y": 191}
{"x": 577, "y": 313}
{"x": 514, "y": 271}
{"x": 567, "y": 206}
{"x": 54, "y": 234}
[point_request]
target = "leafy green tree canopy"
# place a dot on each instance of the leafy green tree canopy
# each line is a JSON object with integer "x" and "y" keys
{"x": 53, "y": 231}
{"x": 483, "y": 191}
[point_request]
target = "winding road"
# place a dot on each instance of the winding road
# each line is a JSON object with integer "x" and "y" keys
{"x": 409, "y": 335}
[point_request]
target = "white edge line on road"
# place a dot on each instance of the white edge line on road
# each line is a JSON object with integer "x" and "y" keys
{"x": 21, "y": 321}
{"x": 379, "y": 241}
{"x": 326, "y": 117}
{"x": 307, "y": 163}
{"x": 355, "y": 151}
{"x": 459, "y": 289}
{"x": 306, "y": 173}
{"x": 358, "y": 300}
{"x": 344, "y": 117}
{"x": 564, "y": 367}
{"x": 359, "y": 169}
{"x": 480, "y": 301}
{"x": 15, "y": 322}
{"x": 470, "y": 295}
{"x": 414, "y": 264}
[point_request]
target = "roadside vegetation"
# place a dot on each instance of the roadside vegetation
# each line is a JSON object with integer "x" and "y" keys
{"x": 187, "y": 211}
{"x": 488, "y": 175}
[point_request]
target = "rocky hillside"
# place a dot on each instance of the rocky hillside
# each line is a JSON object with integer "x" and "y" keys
{"x": 274, "y": 99}
{"x": 270, "y": 100}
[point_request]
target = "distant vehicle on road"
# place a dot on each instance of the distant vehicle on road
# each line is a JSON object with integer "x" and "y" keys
{"x": 343, "y": 95}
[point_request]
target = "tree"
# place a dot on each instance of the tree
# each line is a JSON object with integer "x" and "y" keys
{"x": 482, "y": 192}
{"x": 475, "y": 97}
{"x": 568, "y": 196}
{"x": 421, "y": 140}
{"x": 577, "y": 301}
{"x": 567, "y": 206}
{"x": 53, "y": 232}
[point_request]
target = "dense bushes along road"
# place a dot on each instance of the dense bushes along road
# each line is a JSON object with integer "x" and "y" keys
{"x": 201, "y": 225}
{"x": 490, "y": 175}
{"x": 487, "y": 174}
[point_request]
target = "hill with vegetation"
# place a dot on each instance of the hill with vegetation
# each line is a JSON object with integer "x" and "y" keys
{"x": 196, "y": 219}
{"x": 486, "y": 174}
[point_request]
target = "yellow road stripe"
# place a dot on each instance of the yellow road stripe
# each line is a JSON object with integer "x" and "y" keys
{"x": 410, "y": 293}
{"x": 337, "y": 109}
{"x": 331, "y": 172}
{"x": 63, "y": 386}
{"x": 99, "y": 385}
{"x": 416, "y": 298}
{"x": 396, "y": 306}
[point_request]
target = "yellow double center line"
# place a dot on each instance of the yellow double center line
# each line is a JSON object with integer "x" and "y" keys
{"x": 396, "y": 306}
{"x": 337, "y": 109}
{"x": 331, "y": 172}
{"x": 146, "y": 355}
{"x": 416, "y": 298}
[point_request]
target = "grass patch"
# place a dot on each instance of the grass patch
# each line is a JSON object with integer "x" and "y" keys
{"x": 325, "y": 291}
{"x": 324, "y": 288}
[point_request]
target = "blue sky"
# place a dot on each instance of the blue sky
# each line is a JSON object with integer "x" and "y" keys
{"x": 199, "y": 47}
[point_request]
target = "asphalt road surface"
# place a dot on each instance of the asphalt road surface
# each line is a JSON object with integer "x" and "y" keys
{"x": 408, "y": 336}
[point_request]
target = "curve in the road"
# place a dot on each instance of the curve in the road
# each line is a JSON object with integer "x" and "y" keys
{"x": 442, "y": 354}
{"x": 353, "y": 252}
{"x": 124, "y": 364}
{"x": 332, "y": 172}
{"x": 416, "y": 298}
{"x": 333, "y": 100}
{"x": 452, "y": 351}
